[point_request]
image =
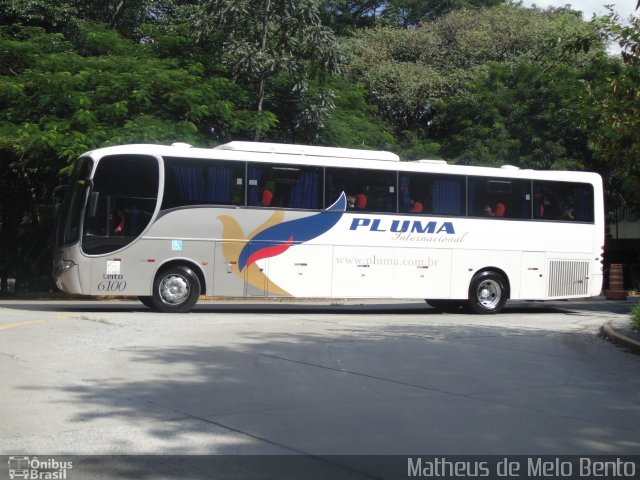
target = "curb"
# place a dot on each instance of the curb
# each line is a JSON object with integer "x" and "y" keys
{"x": 607, "y": 331}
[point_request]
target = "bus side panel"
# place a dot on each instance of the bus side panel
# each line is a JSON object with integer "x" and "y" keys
{"x": 596, "y": 280}
{"x": 466, "y": 263}
{"x": 422, "y": 273}
{"x": 302, "y": 271}
{"x": 72, "y": 280}
{"x": 227, "y": 281}
{"x": 362, "y": 272}
{"x": 132, "y": 271}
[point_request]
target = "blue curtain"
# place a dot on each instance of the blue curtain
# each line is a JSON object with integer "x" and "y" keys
{"x": 188, "y": 178}
{"x": 446, "y": 197}
{"x": 218, "y": 187}
{"x": 304, "y": 194}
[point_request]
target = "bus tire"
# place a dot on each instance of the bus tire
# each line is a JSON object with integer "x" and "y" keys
{"x": 175, "y": 290}
{"x": 488, "y": 293}
{"x": 146, "y": 301}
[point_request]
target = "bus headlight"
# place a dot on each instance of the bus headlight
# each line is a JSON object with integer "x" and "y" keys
{"x": 66, "y": 265}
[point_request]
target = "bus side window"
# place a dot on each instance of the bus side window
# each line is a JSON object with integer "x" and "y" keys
{"x": 124, "y": 196}
{"x": 284, "y": 186}
{"x": 500, "y": 198}
{"x": 193, "y": 181}
{"x": 427, "y": 193}
{"x": 366, "y": 190}
{"x": 564, "y": 201}
{"x": 306, "y": 190}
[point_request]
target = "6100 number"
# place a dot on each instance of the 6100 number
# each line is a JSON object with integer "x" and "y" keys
{"x": 112, "y": 286}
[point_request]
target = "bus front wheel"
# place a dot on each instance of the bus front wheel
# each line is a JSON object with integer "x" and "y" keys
{"x": 487, "y": 292}
{"x": 175, "y": 289}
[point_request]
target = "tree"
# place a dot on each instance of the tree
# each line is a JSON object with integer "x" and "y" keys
{"x": 523, "y": 114}
{"x": 59, "y": 99}
{"x": 354, "y": 123}
{"x": 616, "y": 142}
{"x": 411, "y": 75}
{"x": 344, "y": 16}
{"x": 263, "y": 40}
{"x": 58, "y": 17}
{"x": 411, "y": 13}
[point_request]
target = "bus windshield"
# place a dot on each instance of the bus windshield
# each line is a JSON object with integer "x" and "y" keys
{"x": 69, "y": 224}
{"x": 121, "y": 203}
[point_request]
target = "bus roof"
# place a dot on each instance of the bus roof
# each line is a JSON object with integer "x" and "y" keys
{"x": 334, "y": 157}
{"x": 308, "y": 150}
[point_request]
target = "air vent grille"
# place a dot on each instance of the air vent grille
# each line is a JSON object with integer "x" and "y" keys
{"x": 568, "y": 278}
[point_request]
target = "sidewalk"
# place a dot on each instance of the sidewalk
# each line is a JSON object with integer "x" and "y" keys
{"x": 620, "y": 332}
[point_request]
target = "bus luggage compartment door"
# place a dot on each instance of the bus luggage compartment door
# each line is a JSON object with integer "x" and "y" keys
{"x": 362, "y": 272}
{"x": 533, "y": 280}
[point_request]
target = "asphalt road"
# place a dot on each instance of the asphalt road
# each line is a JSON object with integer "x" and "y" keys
{"x": 112, "y": 377}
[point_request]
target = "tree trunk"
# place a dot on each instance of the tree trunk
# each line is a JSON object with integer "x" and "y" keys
{"x": 263, "y": 47}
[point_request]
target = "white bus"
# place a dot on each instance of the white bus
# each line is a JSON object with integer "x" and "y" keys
{"x": 171, "y": 223}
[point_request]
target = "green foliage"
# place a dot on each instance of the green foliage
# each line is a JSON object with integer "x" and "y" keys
{"x": 617, "y": 106}
{"x": 52, "y": 16}
{"x": 414, "y": 147}
{"x": 520, "y": 114}
{"x": 111, "y": 85}
{"x": 635, "y": 317}
{"x": 353, "y": 123}
{"x": 409, "y": 72}
{"x": 345, "y": 16}
{"x": 411, "y": 13}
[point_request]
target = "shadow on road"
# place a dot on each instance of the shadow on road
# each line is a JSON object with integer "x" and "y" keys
{"x": 305, "y": 306}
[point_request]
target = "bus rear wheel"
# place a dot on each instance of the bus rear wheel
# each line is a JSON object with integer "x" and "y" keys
{"x": 487, "y": 292}
{"x": 175, "y": 290}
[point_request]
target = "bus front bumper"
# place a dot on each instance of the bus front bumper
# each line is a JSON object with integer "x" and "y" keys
{"x": 67, "y": 276}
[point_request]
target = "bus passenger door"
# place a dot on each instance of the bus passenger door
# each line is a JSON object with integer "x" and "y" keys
{"x": 533, "y": 277}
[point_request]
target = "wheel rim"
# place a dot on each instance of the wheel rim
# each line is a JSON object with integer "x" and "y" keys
{"x": 488, "y": 294}
{"x": 174, "y": 289}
